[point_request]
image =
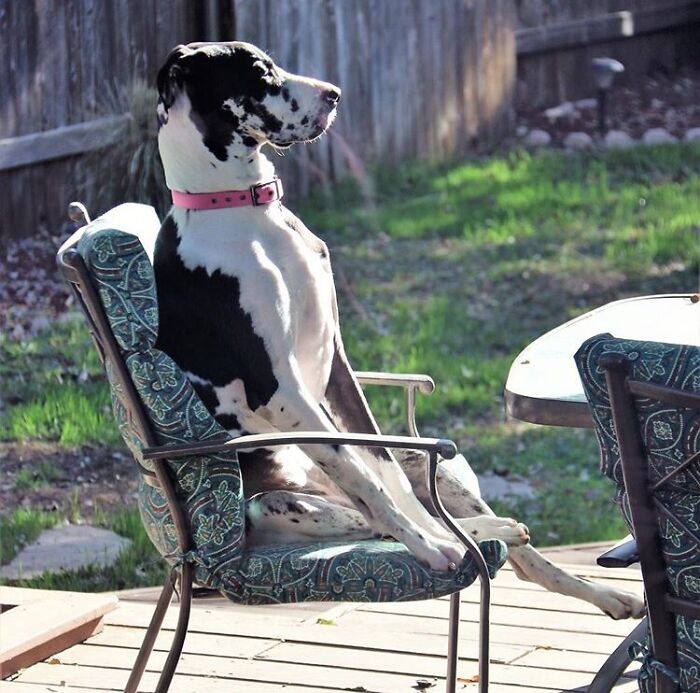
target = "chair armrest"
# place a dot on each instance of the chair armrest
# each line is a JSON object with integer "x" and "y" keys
{"x": 446, "y": 448}
{"x": 409, "y": 381}
{"x": 622, "y": 555}
{"x": 423, "y": 382}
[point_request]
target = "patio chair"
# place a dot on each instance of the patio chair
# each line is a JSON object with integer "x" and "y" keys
{"x": 190, "y": 493}
{"x": 645, "y": 402}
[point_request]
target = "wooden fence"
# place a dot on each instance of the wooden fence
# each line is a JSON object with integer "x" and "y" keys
{"x": 425, "y": 79}
{"x": 62, "y": 63}
{"x": 557, "y": 39}
{"x": 420, "y": 79}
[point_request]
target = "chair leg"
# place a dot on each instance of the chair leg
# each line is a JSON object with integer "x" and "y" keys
{"x": 484, "y": 634}
{"x": 186, "y": 580}
{"x": 484, "y": 628}
{"x": 484, "y": 579}
{"x": 452, "y": 640}
{"x": 617, "y": 662}
{"x": 151, "y": 634}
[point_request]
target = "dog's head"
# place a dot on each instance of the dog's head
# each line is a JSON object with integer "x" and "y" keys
{"x": 234, "y": 93}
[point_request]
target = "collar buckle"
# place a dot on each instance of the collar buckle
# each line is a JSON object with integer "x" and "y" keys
{"x": 256, "y": 202}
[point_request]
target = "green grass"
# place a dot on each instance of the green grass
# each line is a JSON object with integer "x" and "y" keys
{"x": 459, "y": 267}
{"x": 22, "y": 527}
{"x": 449, "y": 270}
{"x": 646, "y": 194}
{"x": 572, "y": 500}
{"x": 55, "y": 385}
{"x": 42, "y": 474}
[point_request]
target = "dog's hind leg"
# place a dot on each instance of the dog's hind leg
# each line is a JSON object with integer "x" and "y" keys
{"x": 462, "y": 500}
{"x": 287, "y": 516}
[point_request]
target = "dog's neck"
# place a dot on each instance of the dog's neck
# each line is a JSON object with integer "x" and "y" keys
{"x": 244, "y": 168}
{"x": 190, "y": 167}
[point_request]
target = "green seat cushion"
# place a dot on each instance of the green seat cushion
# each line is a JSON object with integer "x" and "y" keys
{"x": 360, "y": 571}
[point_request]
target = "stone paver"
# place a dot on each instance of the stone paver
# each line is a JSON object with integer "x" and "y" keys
{"x": 67, "y": 547}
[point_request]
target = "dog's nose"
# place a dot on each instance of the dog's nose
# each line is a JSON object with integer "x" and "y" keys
{"x": 331, "y": 96}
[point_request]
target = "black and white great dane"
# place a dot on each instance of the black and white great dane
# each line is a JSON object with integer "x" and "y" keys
{"x": 248, "y": 310}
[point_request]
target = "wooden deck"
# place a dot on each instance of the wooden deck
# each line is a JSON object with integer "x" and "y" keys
{"x": 539, "y": 642}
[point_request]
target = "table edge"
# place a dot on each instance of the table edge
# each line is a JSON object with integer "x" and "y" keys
{"x": 547, "y": 412}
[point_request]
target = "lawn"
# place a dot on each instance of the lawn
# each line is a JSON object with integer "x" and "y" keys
{"x": 448, "y": 270}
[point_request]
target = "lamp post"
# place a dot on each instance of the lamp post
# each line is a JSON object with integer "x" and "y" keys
{"x": 604, "y": 71}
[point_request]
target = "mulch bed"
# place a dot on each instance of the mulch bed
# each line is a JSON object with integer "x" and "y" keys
{"x": 32, "y": 295}
{"x": 661, "y": 102}
{"x": 83, "y": 481}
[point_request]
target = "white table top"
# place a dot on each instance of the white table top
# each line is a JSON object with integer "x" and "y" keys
{"x": 543, "y": 385}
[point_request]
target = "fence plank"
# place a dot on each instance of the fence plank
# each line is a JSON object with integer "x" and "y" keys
{"x": 61, "y": 142}
{"x": 606, "y": 27}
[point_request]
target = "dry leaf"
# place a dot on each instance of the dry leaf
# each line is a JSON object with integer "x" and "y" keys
{"x": 471, "y": 679}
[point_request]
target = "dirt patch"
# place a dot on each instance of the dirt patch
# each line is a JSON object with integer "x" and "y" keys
{"x": 43, "y": 476}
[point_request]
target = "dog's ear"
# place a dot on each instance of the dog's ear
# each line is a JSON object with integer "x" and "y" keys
{"x": 171, "y": 76}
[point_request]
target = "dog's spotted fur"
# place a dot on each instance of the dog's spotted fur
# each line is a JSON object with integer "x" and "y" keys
{"x": 247, "y": 309}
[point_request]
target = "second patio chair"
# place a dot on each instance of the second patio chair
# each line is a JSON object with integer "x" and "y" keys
{"x": 645, "y": 402}
{"x": 191, "y": 496}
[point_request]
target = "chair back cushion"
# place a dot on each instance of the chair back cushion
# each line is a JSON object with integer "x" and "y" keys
{"x": 114, "y": 249}
{"x": 117, "y": 250}
{"x": 670, "y": 435}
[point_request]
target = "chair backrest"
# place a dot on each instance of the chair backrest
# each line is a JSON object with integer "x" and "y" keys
{"x": 645, "y": 402}
{"x": 194, "y": 507}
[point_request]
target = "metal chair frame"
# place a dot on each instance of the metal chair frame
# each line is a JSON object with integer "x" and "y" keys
{"x": 76, "y": 274}
{"x": 645, "y": 510}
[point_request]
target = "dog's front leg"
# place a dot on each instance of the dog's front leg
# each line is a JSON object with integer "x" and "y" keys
{"x": 345, "y": 403}
{"x": 293, "y": 408}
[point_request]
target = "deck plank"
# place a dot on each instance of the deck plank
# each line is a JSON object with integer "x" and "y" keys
{"x": 500, "y": 615}
{"x": 106, "y": 679}
{"x": 581, "y": 661}
{"x": 404, "y": 632}
{"x": 352, "y": 638}
{"x": 33, "y": 629}
{"x": 195, "y": 643}
{"x": 539, "y": 643}
{"x": 326, "y": 673}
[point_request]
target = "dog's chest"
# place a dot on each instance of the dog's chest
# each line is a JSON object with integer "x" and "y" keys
{"x": 284, "y": 281}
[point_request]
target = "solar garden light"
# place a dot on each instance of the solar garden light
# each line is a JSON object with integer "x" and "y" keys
{"x": 604, "y": 71}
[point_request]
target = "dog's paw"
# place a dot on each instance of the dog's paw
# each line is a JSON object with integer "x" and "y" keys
{"x": 437, "y": 555}
{"x": 504, "y": 528}
{"x": 618, "y": 604}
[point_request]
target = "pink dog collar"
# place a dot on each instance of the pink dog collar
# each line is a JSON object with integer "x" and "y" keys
{"x": 254, "y": 196}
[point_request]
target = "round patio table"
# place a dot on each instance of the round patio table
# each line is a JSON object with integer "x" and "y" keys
{"x": 543, "y": 385}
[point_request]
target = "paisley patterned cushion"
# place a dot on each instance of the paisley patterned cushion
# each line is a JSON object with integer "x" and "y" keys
{"x": 210, "y": 487}
{"x": 362, "y": 571}
{"x": 670, "y": 436}
{"x": 123, "y": 276}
